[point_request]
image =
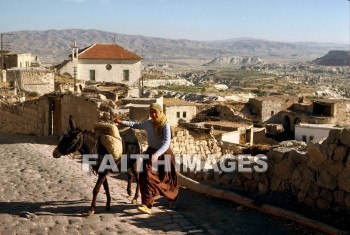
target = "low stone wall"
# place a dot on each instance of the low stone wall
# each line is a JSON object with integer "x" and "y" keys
{"x": 317, "y": 174}
{"x": 184, "y": 143}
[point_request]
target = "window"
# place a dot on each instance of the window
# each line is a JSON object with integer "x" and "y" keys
{"x": 184, "y": 114}
{"x": 303, "y": 138}
{"x": 311, "y": 137}
{"x": 92, "y": 75}
{"x": 125, "y": 75}
{"x": 178, "y": 114}
{"x": 272, "y": 113}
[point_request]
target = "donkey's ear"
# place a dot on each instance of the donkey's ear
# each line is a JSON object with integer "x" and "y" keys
{"x": 71, "y": 123}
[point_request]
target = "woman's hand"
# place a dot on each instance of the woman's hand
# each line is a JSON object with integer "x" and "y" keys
{"x": 117, "y": 120}
{"x": 154, "y": 158}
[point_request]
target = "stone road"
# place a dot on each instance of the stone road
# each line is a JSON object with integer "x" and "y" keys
{"x": 43, "y": 195}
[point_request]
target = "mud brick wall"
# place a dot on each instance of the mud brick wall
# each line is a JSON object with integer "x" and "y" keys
{"x": 84, "y": 111}
{"x": 33, "y": 117}
{"x": 30, "y": 117}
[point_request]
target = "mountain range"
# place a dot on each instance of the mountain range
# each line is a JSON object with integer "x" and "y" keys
{"x": 53, "y": 46}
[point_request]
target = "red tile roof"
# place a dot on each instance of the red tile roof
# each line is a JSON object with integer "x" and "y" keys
{"x": 107, "y": 51}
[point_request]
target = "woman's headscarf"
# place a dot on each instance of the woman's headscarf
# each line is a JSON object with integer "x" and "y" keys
{"x": 160, "y": 122}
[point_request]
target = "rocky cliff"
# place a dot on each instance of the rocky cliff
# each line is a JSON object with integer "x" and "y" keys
{"x": 234, "y": 61}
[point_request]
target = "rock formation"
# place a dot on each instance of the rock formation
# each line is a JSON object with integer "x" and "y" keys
{"x": 334, "y": 58}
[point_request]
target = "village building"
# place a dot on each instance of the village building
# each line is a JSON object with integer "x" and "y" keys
{"x": 290, "y": 111}
{"x": 267, "y": 109}
{"x": 308, "y": 132}
{"x": 318, "y": 111}
{"x": 230, "y": 132}
{"x": 104, "y": 63}
{"x": 38, "y": 80}
{"x": 19, "y": 60}
{"x": 176, "y": 110}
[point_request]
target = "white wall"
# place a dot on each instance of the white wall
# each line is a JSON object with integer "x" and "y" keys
{"x": 171, "y": 113}
{"x": 102, "y": 74}
{"x": 69, "y": 68}
{"x": 3, "y": 76}
{"x": 231, "y": 137}
{"x": 113, "y": 75}
{"x": 24, "y": 60}
{"x": 311, "y": 131}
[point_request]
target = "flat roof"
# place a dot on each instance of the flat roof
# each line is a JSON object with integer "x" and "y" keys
{"x": 137, "y": 105}
{"x": 30, "y": 69}
{"x": 227, "y": 124}
{"x": 319, "y": 126}
{"x": 177, "y": 102}
{"x": 331, "y": 101}
{"x": 274, "y": 97}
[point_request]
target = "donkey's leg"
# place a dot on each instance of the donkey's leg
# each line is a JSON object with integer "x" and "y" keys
{"x": 130, "y": 176}
{"x": 136, "y": 174}
{"x": 106, "y": 187}
{"x": 137, "y": 191}
{"x": 100, "y": 180}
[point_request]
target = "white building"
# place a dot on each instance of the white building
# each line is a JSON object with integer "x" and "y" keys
{"x": 231, "y": 132}
{"x": 176, "y": 109}
{"x": 20, "y": 60}
{"x": 105, "y": 63}
{"x": 307, "y": 132}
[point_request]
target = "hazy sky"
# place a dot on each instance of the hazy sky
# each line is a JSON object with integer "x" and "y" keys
{"x": 277, "y": 20}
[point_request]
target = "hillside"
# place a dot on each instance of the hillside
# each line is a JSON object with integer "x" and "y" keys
{"x": 334, "y": 58}
{"x": 55, "y": 45}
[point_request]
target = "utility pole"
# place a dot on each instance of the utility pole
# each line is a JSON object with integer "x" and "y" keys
{"x": 349, "y": 24}
{"x": 3, "y": 44}
{"x": 75, "y": 79}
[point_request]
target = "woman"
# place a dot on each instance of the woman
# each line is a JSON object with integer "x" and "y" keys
{"x": 161, "y": 182}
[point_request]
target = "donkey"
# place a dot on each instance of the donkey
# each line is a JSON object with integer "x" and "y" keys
{"x": 86, "y": 142}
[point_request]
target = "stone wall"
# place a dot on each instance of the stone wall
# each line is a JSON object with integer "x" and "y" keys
{"x": 184, "y": 143}
{"x": 316, "y": 175}
{"x": 34, "y": 80}
{"x": 30, "y": 117}
{"x": 342, "y": 113}
{"x": 229, "y": 114}
{"x": 268, "y": 109}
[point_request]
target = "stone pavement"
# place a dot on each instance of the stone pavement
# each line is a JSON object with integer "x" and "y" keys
{"x": 43, "y": 195}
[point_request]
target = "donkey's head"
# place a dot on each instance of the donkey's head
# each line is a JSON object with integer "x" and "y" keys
{"x": 70, "y": 141}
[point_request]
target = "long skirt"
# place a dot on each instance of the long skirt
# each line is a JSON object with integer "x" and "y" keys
{"x": 162, "y": 182}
